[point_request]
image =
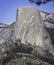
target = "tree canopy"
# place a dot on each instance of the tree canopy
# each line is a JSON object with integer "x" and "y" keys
{"x": 39, "y": 2}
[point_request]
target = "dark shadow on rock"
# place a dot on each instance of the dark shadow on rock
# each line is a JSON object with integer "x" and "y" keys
{"x": 51, "y": 32}
{"x": 49, "y": 20}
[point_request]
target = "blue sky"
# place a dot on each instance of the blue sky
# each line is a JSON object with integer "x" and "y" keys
{"x": 8, "y": 9}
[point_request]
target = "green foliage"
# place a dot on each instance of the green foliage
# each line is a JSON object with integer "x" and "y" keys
{"x": 14, "y": 48}
{"x": 39, "y": 2}
{"x": 42, "y": 57}
{"x": 20, "y": 50}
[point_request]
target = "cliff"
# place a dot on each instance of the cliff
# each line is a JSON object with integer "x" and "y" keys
{"x": 28, "y": 41}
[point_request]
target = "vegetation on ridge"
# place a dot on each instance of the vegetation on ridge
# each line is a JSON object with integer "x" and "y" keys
{"x": 22, "y": 51}
{"x": 39, "y": 2}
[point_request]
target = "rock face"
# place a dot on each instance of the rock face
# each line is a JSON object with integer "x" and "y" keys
{"x": 3, "y": 36}
{"x": 11, "y": 29}
{"x": 3, "y": 32}
{"x": 48, "y": 19}
{"x": 30, "y": 27}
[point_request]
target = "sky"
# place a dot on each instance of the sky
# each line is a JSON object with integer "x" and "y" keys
{"x": 8, "y": 9}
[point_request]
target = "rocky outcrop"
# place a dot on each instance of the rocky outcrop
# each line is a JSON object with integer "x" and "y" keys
{"x": 7, "y": 32}
{"x": 30, "y": 28}
{"x": 3, "y": 32}
{"x": 48, "y": 19}
{"x": 21, "y": 54}
{"x": 32, "y": 44}
{"x": 11, "y": 29}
